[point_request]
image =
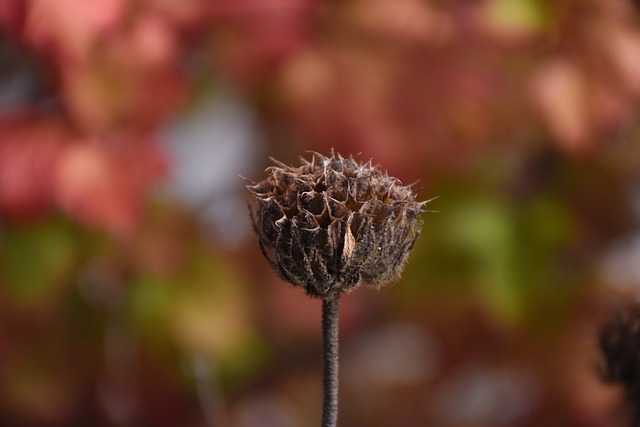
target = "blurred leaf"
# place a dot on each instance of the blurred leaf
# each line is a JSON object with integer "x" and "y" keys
{"x": 35, "y": 261}
{"x": 560, "y": 93}
{"x": 149, "y": 301}
{"x": 201, "y": 309}
{"x": 521, "y": 16}
{"x": 483, "y": 228}
{"x": 42, "y": 395}
{"x": 507, "y": 253}
{"x": 210, "y": 314}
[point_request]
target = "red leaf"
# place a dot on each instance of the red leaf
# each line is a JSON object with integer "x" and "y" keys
{"x": 101, "y": 183}
{"x": 29, "y": 149}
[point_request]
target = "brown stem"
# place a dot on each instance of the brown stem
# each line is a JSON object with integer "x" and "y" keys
{"x": 330, "y": 308}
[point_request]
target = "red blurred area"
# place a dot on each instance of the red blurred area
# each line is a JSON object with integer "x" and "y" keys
{"x": 44, "y": 164}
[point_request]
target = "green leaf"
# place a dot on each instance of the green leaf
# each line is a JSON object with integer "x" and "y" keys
{"x": 36, "y": 261}
{"x": 519, "y": 15}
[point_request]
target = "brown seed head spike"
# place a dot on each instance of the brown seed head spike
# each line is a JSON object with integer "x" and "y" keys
{"x": 333, "y": 223}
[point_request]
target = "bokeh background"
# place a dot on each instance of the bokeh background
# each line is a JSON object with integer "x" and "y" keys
{"x": 132, "y": 290}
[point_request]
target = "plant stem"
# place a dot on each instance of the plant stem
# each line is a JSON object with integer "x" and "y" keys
{"x": 635, "y": 414}
{"x": 330, "y": 310}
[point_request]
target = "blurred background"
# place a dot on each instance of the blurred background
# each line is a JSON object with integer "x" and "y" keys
{"x": 132, "y": 290}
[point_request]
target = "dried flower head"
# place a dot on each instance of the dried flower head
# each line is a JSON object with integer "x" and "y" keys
{"x": 620, "y": 348}
{"x": 333, "y": 223}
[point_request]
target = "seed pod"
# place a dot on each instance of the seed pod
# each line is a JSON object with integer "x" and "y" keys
{"x": 333, "y": 223}
{"x": 620, "y": 350}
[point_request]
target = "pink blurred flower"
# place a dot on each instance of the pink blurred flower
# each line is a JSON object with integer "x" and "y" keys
{"x": 187, "y": 15}
{"x": 12, "y": 14}
{"x": 624, "y": 52}
{"x": 559, "y": 92}
{"x": 102, "y": 183}
{"x": 254, "y": 36}
{"x": 403, "y": 21}
{"x": 70, "y": 28}
{"x": 132, "y": 81}
{"x": 29, "y": 150}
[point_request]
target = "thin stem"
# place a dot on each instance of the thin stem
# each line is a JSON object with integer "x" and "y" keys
{"x": 635, "y": 414}
{"x": 330, "y": 361}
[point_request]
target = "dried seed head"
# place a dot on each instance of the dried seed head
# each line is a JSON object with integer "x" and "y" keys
{"x": 620, "y": 349}
{"x": 332, "y": 223}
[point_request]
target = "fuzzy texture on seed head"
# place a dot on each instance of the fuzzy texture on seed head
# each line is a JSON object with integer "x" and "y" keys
{"x": 333, "y": 223}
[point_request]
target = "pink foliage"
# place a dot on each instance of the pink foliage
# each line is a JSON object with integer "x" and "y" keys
{"x": 399, "y": 81}
{"x": 12, "y": 16}
{"x": 29, "y": 151}
{"x": 115, "y": 74}
{"x": 70, "y": 29}
{"x": 101, "y": 182}
{"x": 98, "y": 182}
